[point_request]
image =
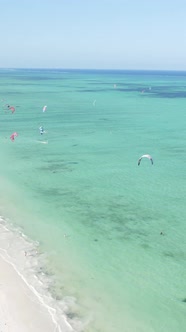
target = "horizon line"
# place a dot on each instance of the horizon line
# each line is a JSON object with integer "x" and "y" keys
{"x": 96, "y": 69}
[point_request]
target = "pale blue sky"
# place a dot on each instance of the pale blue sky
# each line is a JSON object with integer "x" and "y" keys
{"x": 107, "y": 34}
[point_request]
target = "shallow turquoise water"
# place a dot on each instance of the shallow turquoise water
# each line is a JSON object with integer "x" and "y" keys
{"x": 96, "y": 214}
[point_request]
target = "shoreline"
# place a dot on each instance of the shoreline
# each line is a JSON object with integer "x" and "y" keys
{"x": 20, "y": 310}
{"x": 25, "y": 302}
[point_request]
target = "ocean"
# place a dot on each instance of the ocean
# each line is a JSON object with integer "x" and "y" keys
{"x": 104, "y": 237}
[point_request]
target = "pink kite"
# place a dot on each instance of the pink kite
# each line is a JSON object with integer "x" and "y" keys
{"x": 12, "y": 137}
{"x": 12, "y": 108}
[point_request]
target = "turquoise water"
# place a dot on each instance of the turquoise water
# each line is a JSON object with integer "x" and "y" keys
{"x": 79, "y": 192}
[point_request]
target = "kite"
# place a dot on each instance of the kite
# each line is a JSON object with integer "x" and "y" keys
{"x": 44, "y": 108}
{"x": 12, "y": 108}
{"x": 145, "y": 156}
{"x": 12, "y": 137}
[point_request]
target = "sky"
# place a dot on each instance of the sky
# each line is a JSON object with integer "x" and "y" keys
{"x": 93, "y": 34}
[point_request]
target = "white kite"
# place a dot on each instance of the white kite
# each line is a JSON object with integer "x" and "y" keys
{"x": 145, "y": 156}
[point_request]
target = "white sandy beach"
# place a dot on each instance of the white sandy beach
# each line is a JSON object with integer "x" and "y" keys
{"x": 20, "y": 310}
{"x": 22, "y": 307}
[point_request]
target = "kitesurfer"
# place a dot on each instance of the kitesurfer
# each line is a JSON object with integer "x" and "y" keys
{"x": 41, "y": 129}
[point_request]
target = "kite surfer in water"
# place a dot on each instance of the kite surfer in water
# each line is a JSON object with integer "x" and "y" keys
{"x": 41, "y": 129}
